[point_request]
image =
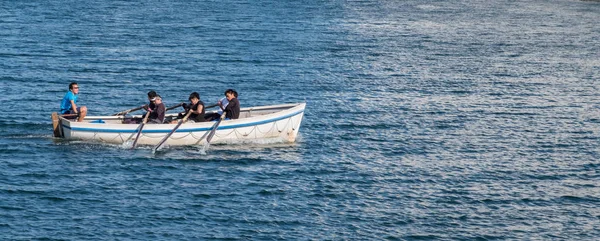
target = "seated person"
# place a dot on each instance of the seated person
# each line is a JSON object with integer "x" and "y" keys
{"x": 196, "y": 107}
{"x": 157, "y": 110}
{"x": 68, "y": 105}
{"x": 232, "y": 111}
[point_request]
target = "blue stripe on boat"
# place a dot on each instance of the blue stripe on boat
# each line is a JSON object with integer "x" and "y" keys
{"x": 86, "y": 129}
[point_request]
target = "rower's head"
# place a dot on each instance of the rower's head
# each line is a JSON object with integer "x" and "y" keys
{"x": 230, "y": 94}
{"x": 152, "y": 95}
{"x": 194, "y": 97}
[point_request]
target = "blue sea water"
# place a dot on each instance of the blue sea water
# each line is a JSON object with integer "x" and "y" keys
{"x": 425, "y": 120}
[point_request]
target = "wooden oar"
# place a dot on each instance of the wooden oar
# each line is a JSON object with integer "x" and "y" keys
{"x": 214, "y": 129}
{"x": 212, "y": 133}
{"x": 172, "y": 131}
{"x": 139, "y": 129}
{"x": 208, "y": 132}
{"x": 125, "y": 112}
{"x": 175, "y": 106}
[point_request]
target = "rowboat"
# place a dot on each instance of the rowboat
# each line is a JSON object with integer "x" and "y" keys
{"x": 263, "y": 123}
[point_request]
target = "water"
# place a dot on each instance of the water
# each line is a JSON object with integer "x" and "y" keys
{"x": 425, "y": 120}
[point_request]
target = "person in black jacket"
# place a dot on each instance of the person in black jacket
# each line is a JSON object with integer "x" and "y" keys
{"x": 156, "y": 108}
{"x": 232, "y": 110}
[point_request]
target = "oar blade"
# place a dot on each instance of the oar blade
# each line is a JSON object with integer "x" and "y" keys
{"x": 167, "y": 137}
{"x": 212, "y": 133}
{"x": 172, "y": 131}
{"x": 139, "y": 129}
{"x": 175, "y": 106}
{"x": 137, "y": 137}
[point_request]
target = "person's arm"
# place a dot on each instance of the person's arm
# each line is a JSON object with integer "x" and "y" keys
{"x": 74, "y": 106}
{"x": 230, "y": 106}
{"x": 160, "y": 112}
{"x": 223, "y": 103}
{"x": 199, "y": 109}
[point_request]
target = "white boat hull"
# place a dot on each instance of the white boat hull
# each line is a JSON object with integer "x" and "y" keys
{"x": 268, "y": 123}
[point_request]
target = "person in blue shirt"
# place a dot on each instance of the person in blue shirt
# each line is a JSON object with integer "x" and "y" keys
{"x": 69, "y": 103}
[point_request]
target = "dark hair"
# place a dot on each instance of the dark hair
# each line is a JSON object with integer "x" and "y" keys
{"x": 151, "y": 94}
{"x": 235, "y": 93}
{"x": 71, "y": 85}
{"x": 194, "y": 95}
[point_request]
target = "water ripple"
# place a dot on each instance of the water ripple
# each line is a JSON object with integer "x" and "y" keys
{"x": 437, "y": 120}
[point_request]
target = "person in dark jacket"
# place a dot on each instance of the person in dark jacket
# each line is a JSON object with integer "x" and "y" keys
{"x": 156, "y": 108}
{"x": 232, "y": 110}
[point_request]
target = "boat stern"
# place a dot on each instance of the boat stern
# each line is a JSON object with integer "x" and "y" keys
{"x": 56, "y": 125}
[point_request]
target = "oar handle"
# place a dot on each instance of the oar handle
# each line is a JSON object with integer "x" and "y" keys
{"x": 181, "y": 104}
{"x": 146, "y": 117}
{"x": 125, "y": 112}
{"x": 175, "y": 106}
{"x": 187, "y": 115}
